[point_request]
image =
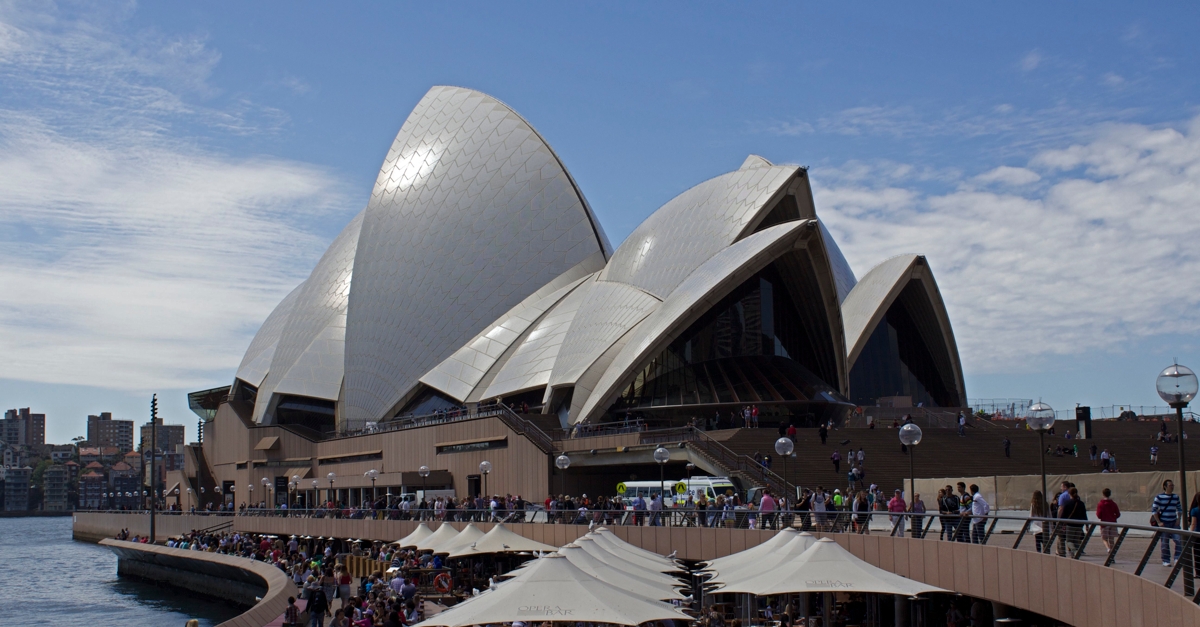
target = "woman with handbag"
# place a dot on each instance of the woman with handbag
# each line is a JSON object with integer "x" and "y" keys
{"x": 1037, "y": 509}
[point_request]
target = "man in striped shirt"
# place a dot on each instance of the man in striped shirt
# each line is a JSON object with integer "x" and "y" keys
{"x": 1165, "y": 512}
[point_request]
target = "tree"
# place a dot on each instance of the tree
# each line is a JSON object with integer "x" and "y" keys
{"x": 39, "y": 471}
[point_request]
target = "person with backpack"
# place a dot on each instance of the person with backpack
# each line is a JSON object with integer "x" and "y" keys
{"x": 318, "y": 606}
{"x": 1074, "y": 509}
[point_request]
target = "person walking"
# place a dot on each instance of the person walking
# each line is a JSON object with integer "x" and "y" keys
{"x": 1107, "y": 511}
{"x": 836, "y": 458}
{"x": 917, "y": 507}
{"x": 318, "y": 606}
{"x": 1153, "y": 455}
{"x": 1037, "y": 509}
{"x": 948, "y": 509}
{"x": 823, "y": 433}
{"x": 897, "y": 508}
{"x": 1104, "y": 457}
{"x": 980, "y": 509}
{"x": 962, "y": 425}
{"x": 964, "y": 514}
{"x": 1074, "y": 509}
{"x": 1094, "y": 456}
{"x": 1007, "y": 447}
{"x": 1164, "y": 512}
{"x": 862, "y": 458}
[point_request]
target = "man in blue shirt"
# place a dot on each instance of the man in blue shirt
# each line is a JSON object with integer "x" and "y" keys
{"x": 1165, "y": 512}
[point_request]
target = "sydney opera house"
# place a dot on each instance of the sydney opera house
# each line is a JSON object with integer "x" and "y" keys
{"x": 476, "y": 310}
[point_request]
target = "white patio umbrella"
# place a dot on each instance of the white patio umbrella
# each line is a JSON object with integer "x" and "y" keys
{"x": 644, "y": 586}
{"x": 501, "y": 539}
{"x": 606, "y": 538}
{"x": 554, "y": 589}
{"x": 827, "y": 567}
{"x": 622, "y": 562}
{"x": 622, "y": 549}
{"x": 465, "y": 538}
{"x": 444, "y": 534}
{"x": 766, "y": 548}
{"x": 420, "y": 533}
{"x": 753, "y": 566}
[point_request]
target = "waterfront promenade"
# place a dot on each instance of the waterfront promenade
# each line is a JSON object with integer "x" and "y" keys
{"x": 1077, "y": 592}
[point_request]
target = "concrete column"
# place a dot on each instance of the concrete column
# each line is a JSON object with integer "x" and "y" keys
{"x": 901, "y": 605}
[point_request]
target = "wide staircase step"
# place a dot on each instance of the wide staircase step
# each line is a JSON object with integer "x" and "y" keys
{"x": 943, "y": 453}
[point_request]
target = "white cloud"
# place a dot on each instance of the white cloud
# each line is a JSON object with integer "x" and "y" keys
{"x": 1008, "y": 175}
{"x": 1031, "y": 61}
{"x": 134, "y": 258}
{"x": 1075, "y": 264}
{"x": 1113, "y": 80}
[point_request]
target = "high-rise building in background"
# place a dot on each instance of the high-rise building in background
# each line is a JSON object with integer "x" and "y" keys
{"x": 168, "y": 438}
{"x": 55, "y": 481}
{"x": 20, "y": 426}
{"x": 102, "y": 430}
{"x": 16, "y": 488}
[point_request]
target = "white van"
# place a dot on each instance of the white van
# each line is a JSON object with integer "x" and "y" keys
{"x": 677, "y": 489}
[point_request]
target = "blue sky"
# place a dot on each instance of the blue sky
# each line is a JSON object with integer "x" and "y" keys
{"x": 169, "y": 172}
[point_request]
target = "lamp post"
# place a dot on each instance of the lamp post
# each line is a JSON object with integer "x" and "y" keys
{"x": 315, "y": 495}
{"x": 784, "y": 448}
{"x": 662, "y": 456}
{"x": 266, "y": 483}
{"x": 250, "y": 496}
{"x": 189, "y": 492}
{"x": 372, "y": 474}
{"x": 910, "y": 436}
{"x": 295, "y": 483}
{"x": 485, "y": 468}
{"x": 1177, "y": 386}
{"x": 1041, "y": 417}
{"x": 424, "y": 472}
{"x": 563, "y": 462}
{"x": 331, "y": 476}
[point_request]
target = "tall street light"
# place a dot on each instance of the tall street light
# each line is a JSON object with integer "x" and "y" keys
{"x": 424, "y": 472}
{"x": 1177, "y": 386}
{"x": 315, "y": 496}
{"x": 295, "y": 489}
{"x": 267, "y": 492}
{"x": 485, "y": 469}
{"x": 1040, "y": 417}
{"x": 331, "y": 476}
{"x": 372, "y": 474}
{"x": 910, "y": 436}
{"x": 662, "y": 456}
{"x": 563, "y": 462}
{"x": 784, "y": 448}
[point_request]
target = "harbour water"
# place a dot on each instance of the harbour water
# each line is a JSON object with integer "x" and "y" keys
{"x": 54, "y": 580}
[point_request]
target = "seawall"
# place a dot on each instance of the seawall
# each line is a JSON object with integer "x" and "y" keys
{"x": 259, "y": 586}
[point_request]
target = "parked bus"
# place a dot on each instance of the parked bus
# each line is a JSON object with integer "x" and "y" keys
{"x": 677, "y": 489}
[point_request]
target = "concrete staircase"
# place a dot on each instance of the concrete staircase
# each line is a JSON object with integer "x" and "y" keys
{"x": 942, "y": 453}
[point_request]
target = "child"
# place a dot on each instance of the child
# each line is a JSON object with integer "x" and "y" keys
{"x": 291, "y": 616}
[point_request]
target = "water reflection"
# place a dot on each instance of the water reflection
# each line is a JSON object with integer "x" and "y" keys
{"x": 63, "y": 582}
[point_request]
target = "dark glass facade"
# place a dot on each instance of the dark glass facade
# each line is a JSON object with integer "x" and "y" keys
{"x": 751, "y": 348}
{"x": 313, "y": 414}
{"x": 897, "y": 361}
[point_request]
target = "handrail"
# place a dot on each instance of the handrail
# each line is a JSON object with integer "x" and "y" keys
{"x": 526, "y": 428}
{"x": 737, "y": 462}
{"x": 975, "y": 529}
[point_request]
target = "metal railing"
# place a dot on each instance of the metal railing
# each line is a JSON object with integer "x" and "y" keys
{"x": 1072, "y": 537}
{"x": 737, "y": 464}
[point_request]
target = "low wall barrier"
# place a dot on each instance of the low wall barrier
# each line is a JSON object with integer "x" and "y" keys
{"x": 235, "y": 579}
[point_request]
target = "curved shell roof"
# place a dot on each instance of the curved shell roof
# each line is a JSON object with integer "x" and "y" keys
{"x": 308, "y": 359}
{"x": 257, "y": 360}
{"x": 695, "y": 295}
{"x": 472, "y": 212}
{"x": 478, "y": 270}
{"x": 692, "y": 227}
